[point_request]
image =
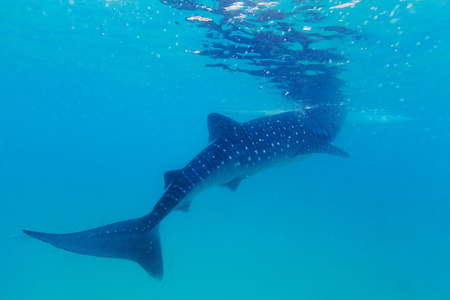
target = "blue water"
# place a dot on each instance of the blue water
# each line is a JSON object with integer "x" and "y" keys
{"x": 99, "y": 99}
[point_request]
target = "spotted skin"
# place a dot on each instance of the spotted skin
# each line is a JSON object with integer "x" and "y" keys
{"x": 244, "y": 149}
{"x": 237, "y": 151}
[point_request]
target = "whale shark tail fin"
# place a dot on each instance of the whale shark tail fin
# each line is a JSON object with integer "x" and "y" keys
{"x": 126, "y": 240}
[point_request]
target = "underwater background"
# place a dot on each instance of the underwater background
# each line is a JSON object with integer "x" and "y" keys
{"x": 99, "y": 98}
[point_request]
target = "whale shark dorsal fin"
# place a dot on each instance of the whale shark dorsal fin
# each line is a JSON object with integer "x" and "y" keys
{"x": 218, "y": 125}
{"x": 171, "y": 176}
{"x": 233, "y": 184}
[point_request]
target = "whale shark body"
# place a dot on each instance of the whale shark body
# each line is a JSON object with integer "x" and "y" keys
{"x": 236, "y": 151}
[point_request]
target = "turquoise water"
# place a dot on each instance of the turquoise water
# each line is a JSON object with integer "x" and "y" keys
{"x": 99, "y": 99}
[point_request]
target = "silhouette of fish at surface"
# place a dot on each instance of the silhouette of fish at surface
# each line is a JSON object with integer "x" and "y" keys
{"x": 236, "y": 151}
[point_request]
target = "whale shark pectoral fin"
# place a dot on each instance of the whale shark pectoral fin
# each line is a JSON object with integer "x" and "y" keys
{"x": 171, "y": 176}
{"x": 333, "y": 150}
{"x": 124, "y": 240}
{"x": 233, "y": 184}
{"x": 218, "y": 125}
{"x": 325, "y": 148}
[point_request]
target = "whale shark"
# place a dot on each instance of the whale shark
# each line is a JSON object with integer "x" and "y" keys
{"x": 235, "y": 152}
